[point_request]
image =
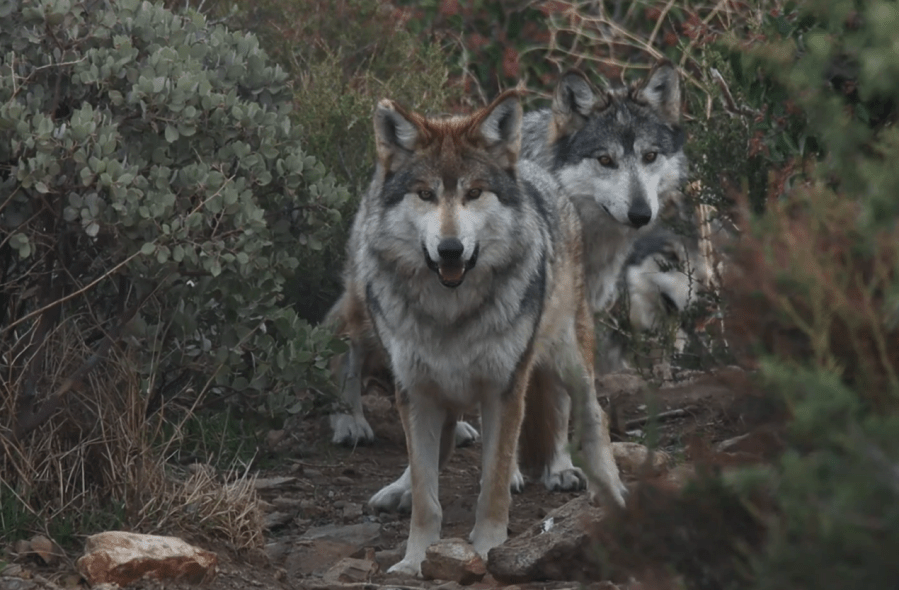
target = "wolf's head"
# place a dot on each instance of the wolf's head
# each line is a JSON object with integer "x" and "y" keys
{"x": 620, "y": 148}
{"x": 449, "y": 184}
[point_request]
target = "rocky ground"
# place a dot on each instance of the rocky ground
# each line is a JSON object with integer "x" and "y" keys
{"x": 315, "y": 499}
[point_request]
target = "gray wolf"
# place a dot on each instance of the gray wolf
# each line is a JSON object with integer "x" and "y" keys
{"x": 615, "y": 152}
{"x": 664, "y": 274}
{"x": 466, "y": 266}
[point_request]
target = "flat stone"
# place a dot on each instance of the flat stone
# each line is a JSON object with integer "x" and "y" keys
{"x": 366, "y": 533}
{"x": 268, "y": 483}
{"x": 349, "y": 570}
{"x": 120, "y": 557}
{"x": 556, "y": 548}
{"x": 46, "y": 549}
{"x": 454, "y": 560}
{"x": 352, "y": 511}
{"x": 319, "y": 548}
{"x": 635, "y": 458}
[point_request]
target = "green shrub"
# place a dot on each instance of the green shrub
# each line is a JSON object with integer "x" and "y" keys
{"x": 156, "y": 199}
{"x": 820, "y": 274}
{"x": 343, "y": 57}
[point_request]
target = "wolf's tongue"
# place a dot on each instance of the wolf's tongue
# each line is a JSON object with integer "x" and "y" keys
{"x": 451, "y": 273}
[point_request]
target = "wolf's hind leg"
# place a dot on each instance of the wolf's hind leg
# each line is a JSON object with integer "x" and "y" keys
{"x": 560, "y": 474}
{"x": 591, "y": 424}
{"x": 466, "y": 434}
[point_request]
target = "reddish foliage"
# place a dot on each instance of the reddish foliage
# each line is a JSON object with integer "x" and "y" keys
{"x": 510, "y": 62}
{"x": 476, "y": 41}
{"x": 693, "y": 26}
{"x": 554, "y": 7}
{"x": 652, "y": 13}
{"x": 698, "y": 533}
{"x": 449, "y": 7}
{"x": 804, "y": 289}
{"x": 757, "y": 144}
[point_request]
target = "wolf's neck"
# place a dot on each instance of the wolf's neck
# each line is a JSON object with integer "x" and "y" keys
{"x": 606, "y": 246}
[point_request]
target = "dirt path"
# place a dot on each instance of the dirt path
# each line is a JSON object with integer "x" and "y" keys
{"x": 316, "y": 484}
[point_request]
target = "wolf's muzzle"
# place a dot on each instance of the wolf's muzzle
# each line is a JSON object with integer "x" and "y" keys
{"x": 451, "y": 268}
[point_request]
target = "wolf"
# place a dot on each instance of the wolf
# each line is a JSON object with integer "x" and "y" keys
{"x": 663, "y": 275}
{"x": 615, "y": 152}
{"x": 466, "y": 265}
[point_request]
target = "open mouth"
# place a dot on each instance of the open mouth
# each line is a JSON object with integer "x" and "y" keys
{"x": 451, "y": 272}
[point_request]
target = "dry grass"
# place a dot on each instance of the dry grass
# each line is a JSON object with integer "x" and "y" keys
{"x": 613, "y": 38}
{"x": 98, "y": 461}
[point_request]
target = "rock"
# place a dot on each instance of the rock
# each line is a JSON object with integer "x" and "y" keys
{"x": 361, "y": 535}
{"x": 14, "y": 570}
{"x": 276, "y": 551}
{"x": 22, "y": 547}
{"x": 9, "y": 583}
{"x": 276, "y": 519}
{"x": 632, "y": 458}
{"x": 121, "y": 558}
{"x": 275, "y": 438}
{"x": 352, "y": 511}
{"x": 349, "y": 570}
{"x": 268, "y": 483}
{"x": 46, "y": 549}
{"x": 453, "y": 560}
{"x": 556, "y": 548}
{"x": 287, "y": 504}
{"x": 622, "y": 382}
{"x": 321, "y": 547}
{"x": 388, "y": 557}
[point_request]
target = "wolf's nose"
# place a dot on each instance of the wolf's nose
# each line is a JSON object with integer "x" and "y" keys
{"x": 450, "y": 249}
{"x": 640, "y": 214}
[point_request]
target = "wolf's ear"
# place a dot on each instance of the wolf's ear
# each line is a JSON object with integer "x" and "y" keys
{"x": 499, "y": 125}
{"x": 661, "y": 91}
{"x": 395, "y": 134}
{"x": 573, "y": 102}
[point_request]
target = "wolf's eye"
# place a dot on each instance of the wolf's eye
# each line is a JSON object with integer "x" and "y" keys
{"x": 426, "y": 195}
{"x": 649, "y": 157}
{"x": 606, "y": 161}
{"x": 473, "y": 194}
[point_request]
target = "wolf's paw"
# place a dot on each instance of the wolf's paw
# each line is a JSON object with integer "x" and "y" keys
{"x": 351, "y": 429}
{"x": 407, "y": 567}
{"x": 565, "y": 480}
{"x": 517, "y": 482}
{"x": 395, "y": 497}
{"x": 466, "y": 434}
{"x": 485, "y": 538}
{"x": 616, "y": 492}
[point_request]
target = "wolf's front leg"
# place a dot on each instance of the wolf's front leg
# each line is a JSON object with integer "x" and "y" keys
{"x": 351, "y": 429}
{"x": 501, "y": 417}
{"x": 597, "y": 445}
{"x": 425, "y": 423}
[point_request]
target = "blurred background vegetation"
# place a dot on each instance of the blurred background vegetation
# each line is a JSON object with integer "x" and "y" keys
{"x": 169, "y": 247}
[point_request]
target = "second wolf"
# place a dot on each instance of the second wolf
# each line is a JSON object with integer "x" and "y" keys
{"x": 466, "y": 265}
